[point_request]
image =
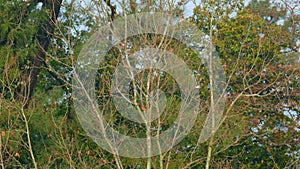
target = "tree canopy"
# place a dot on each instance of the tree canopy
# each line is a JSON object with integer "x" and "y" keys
{"x": 258, "y": 48}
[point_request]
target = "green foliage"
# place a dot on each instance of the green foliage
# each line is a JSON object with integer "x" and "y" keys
{"x": 262, "y": 88}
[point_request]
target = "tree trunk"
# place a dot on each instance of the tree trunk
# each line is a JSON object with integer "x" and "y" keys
{"x": 43, "y": 37}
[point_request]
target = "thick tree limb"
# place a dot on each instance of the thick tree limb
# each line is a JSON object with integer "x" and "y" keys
{"x": 112, "y": 9}
{"x": 43, "y": 37}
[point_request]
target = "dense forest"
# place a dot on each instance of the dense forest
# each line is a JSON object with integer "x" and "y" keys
{"x": 245, "y": 71}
